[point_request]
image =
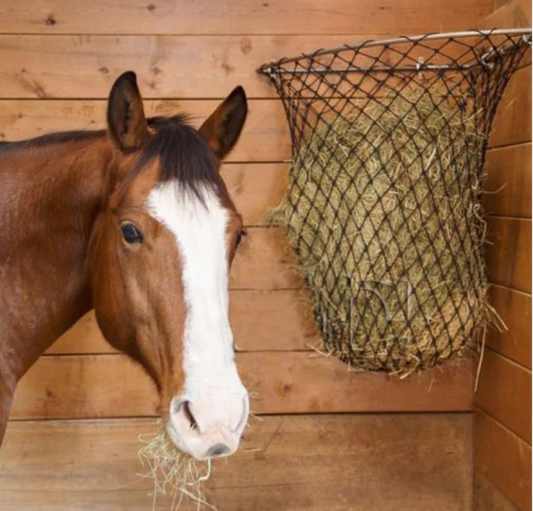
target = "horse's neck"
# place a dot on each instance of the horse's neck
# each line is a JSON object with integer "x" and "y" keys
{"x": 49, "y": 199}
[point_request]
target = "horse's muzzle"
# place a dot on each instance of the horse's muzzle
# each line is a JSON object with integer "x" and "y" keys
{"x": 209, "y": 426}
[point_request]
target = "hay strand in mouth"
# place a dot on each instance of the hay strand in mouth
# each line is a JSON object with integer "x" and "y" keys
{"x": 173, "y": 472}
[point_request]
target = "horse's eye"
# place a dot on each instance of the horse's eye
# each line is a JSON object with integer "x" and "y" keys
{"x": 130, "y": 233}
{"x": 238, "y": 239}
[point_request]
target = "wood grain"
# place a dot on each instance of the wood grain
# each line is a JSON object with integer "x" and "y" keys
{"x": 508, "y": 14}
{"x": 239, "y": 16}
{"x": 514, "y": 307}
{"x": 265, "y": 137}
{"x": 488, "y": 498}
{"x": 260, "y": 320}
{"x": 264, "y": 261}
{"x": 504, "y": 459}
{"x": 504, "y": 392}
{"x": 512, "y": 124}
{"x": 508, "y": 252}
{"x": 507, "y": 181}
{"x": 85, "y": 67}
{"x": 290, "y": 463}
{"x": 280, "y": 382}
{"x": 256, "y": 189}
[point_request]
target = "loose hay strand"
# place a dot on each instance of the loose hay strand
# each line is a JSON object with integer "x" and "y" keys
{"x": 173, "y": 472}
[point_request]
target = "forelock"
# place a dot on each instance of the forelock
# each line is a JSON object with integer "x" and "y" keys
{"x": 184, "y": 156}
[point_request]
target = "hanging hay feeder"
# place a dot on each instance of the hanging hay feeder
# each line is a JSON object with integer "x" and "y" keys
{"x": 382, "y": 207}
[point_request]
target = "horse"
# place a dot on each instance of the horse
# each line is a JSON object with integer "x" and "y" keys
{"x": 135, "y": 222}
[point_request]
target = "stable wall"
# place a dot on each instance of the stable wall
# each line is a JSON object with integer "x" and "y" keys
{"x": 79, "y": 410}
{"x": 502, "y": 419}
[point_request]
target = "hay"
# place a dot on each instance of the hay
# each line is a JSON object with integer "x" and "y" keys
{"x": 382, "y": 210}
{"x": 173, "y": 472}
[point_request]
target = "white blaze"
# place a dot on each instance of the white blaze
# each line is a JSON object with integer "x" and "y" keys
{"x": 212, "y": 383}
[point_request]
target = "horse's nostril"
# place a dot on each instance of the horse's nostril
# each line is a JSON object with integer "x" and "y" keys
{"x": 175, "y": 406}
{"x": 217, "y": 450}
{"x": 188, "y": 413}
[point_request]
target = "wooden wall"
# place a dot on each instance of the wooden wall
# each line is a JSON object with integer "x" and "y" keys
{"x": 72, "y": 440}
{"x": 502, "y": 420}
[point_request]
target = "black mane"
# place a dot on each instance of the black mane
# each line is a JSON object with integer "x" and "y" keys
{"x": 184, "y": 154}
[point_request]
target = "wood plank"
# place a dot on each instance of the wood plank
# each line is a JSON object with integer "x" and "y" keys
{"x": 507, "y": 181}
{"x": 238, "y": 16}
{"x": 260, "y": 320}
{"x": 509, "y": 14}
{"x": 504, "y": 392}
{"x": 83, "y": 338}
{"x": 265, "y": 136}
{"x": 508, "y": 252}
{"x": 514, "y": 307}
{"x": 489, "y": 498}
{"x": 496, "y": 4}
{"x": 264, "y": 261}
{"x": 280, "y": 382}
{"x": 85, "y": 67}
{"x": 512, "y": 124}
{"x": 289, "y": 463}
{"x": 256, "y": 189}
{"x": 504, "y": 459}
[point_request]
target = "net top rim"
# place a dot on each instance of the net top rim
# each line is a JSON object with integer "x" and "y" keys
{"x": 275, "y": 67}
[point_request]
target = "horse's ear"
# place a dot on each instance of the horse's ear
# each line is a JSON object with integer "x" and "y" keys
{"x": 125, "y": 114}
{"x": 222, "y": 129}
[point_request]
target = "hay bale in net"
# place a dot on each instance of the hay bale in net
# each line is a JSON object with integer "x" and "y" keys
{"x": 382, "y": 207}
{"x": 388, "y": 239}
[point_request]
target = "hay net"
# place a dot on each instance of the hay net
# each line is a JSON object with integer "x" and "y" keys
{"x": 382, "y": 207}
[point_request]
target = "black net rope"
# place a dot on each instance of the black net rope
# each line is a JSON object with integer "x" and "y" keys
{"x": 383, "y": 203}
